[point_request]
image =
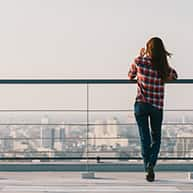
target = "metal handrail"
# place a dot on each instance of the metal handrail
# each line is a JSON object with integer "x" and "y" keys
{"x": 83, "y": 81}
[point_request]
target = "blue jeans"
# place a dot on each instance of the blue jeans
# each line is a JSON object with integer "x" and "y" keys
{"x": 150, "y": 134}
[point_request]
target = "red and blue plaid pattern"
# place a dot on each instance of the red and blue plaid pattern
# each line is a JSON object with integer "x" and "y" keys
{"x": 150, "y": 85}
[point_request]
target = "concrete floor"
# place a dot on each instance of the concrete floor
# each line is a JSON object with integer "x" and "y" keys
{"x": 108, "y": 182}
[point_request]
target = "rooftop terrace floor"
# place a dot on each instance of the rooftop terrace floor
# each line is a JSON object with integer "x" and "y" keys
{"x": 108, "y": 182}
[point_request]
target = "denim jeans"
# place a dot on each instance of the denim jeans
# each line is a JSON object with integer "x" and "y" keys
{"x": 149, "y": 121}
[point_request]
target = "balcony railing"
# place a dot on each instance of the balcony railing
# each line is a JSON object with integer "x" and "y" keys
{"x": 89, "y": 137}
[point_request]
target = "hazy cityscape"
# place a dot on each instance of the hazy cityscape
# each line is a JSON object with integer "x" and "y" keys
{"x": 49, "y": 135}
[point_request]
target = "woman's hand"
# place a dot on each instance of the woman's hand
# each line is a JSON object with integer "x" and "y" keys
{"x": 172, "y": 75}
{"x": 142, "y": 52}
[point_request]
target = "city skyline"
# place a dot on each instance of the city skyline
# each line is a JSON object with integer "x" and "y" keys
{"x": 104, "y": 138}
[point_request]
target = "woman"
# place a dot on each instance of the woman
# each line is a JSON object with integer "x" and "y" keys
{"x": 152, "y": 70}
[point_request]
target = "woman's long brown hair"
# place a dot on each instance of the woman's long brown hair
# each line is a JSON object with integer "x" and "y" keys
{"x": 156, "y": 50}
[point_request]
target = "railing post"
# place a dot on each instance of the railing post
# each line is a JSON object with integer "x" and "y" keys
{"x": 87, "y": 174}
{"x": 87, "y": 124}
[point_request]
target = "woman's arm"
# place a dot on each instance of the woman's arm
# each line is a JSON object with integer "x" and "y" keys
{"x": 132, "y": 71}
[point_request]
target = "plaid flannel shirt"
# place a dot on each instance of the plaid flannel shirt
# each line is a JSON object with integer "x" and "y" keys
{"x": 150, "y": 87}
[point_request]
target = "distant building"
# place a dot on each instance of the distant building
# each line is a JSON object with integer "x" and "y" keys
{"x": 106, "y": 134}
{"x": 59, "y": 138}
{"x": 44, "y": 121}
{"x": 184, "y": 144}
{"x": 46, "y": 134}
{"x": 7, "y": 143}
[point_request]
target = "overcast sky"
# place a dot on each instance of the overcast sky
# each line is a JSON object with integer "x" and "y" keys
{"x": 89, "y": 38}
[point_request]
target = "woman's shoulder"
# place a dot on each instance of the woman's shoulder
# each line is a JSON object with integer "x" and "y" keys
{"x": 143, "y": 60}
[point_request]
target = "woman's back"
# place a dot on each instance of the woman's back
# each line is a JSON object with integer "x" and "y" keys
{"x": 150, "y": 85}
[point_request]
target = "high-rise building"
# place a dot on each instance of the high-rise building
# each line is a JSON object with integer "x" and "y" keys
{"x": 46, "y": 134}
{"x": 59, "y": 137}
{"x": 106, "y": 134}
{"x": 184, "y": 144}
{"x": 44, "y": 121}
{"x": 7, "y": 142}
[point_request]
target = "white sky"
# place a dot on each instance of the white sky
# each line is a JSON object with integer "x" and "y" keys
{"x": 88, "y": 39}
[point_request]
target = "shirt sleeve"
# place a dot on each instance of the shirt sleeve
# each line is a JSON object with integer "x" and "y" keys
{"x": 132, "y": 72}
{"x": 172, "y": 74}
